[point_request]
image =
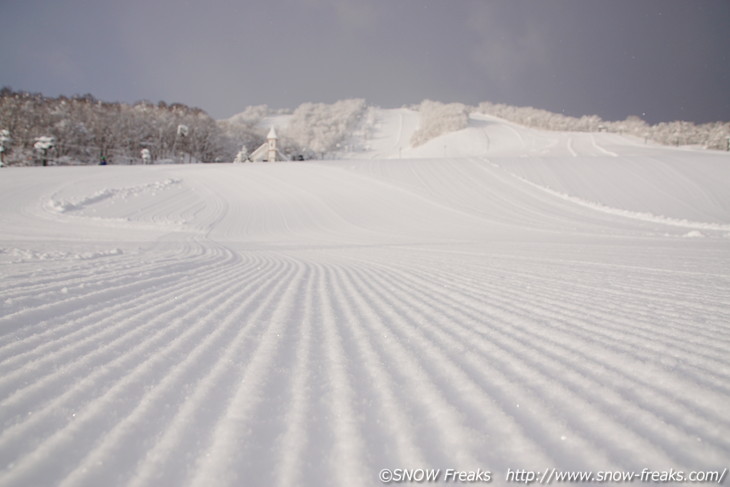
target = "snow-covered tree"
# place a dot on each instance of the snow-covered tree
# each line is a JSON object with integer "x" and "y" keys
{"x": 242, "y": 155}
{"x": 4, "y": 143}
{"x": 439, "y": 118}
{"x": 251, "y": 116}
{"x": 42, "y": 145}
{"x": 319, "y": 127}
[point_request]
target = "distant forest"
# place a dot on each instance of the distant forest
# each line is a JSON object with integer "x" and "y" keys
{"x": 40, "y": 130}
{"x": 82, "y": 129}
{"x": 712, "y": 135}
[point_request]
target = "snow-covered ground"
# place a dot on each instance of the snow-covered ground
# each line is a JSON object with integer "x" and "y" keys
{"x": 511, "y": 299}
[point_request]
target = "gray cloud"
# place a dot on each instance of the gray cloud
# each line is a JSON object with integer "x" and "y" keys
{"x": 509, "y": 44}
{"x": 665, "y": 58}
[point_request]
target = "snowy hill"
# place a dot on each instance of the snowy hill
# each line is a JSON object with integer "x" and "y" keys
{"x": 497, "y": 298}
{"x": 368, "y": 132}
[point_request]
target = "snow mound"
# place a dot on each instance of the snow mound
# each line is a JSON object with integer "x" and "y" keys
{"x": 63, "y": 206}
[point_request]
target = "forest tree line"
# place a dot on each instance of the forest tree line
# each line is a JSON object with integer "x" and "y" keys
{"x": 713, "y": 135}
{"x": 82, "y": 129}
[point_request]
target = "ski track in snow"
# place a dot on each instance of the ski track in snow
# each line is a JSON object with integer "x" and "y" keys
{"x": 632, "y": 214}
{"x": 311, "y": 324}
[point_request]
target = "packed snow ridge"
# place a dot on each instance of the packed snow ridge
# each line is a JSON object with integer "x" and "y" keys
{"x": 496, "y": 298}
{"x": 109, "y": 193}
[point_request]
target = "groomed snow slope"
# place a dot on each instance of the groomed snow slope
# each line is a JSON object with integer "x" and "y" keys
{"x": 559, "y": 301}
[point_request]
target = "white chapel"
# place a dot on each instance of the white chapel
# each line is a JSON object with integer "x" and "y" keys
{"x": 268, "y": 152}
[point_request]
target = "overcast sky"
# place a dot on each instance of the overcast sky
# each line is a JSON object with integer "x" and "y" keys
{"x": 662, "y": 60}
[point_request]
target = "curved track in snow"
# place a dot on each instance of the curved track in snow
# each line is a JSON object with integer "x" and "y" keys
{"x": 311, "y": 324}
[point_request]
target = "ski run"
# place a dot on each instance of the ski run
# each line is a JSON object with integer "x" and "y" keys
{"x": 499, "y": 298}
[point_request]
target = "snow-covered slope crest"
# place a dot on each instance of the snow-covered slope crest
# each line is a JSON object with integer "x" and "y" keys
{"x": 314, "y": 323}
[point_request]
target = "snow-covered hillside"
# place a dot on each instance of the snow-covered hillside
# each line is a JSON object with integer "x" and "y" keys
{"x": 497, "y": 298}
{"x": 351, "y": 129}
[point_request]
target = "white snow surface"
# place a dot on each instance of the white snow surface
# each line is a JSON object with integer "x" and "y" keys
{"x": 503, "y": 299}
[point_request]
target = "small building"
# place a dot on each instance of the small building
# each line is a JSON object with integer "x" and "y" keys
{"x": 268, "y": 152}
